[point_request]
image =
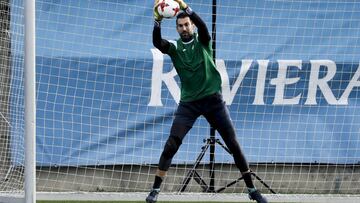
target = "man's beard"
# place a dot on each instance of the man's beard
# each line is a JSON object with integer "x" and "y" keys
{"x": 186, "y": 37}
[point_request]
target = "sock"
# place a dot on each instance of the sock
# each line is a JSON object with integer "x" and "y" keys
{"x": 250, "y": 190}
{"x": 248, "y": 181}
{"x": 157, "y": 182}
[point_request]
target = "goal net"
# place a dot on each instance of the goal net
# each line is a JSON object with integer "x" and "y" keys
{"x": 106, "y": 97}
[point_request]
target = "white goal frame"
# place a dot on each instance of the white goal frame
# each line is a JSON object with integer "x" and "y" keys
{"x": 30, "y": 101}
{"x": 30, "y": 195}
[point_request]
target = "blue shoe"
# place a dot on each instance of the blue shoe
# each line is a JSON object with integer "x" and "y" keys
{"x": 255, "y": 195}
{"x": 153, "y": 195}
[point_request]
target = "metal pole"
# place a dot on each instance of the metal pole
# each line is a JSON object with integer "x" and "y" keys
{"x": 212, "y": 160}
{"x": 214, "y": 28}
{"x": 30, "y": 105}
{"x": 212, "y": 130}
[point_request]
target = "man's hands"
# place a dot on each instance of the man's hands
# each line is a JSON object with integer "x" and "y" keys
{"x": 157, "y": 16}
{"x": 182, "y": 4}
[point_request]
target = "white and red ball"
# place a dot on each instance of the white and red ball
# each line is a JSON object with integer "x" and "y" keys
{"x": 168, "y": 8}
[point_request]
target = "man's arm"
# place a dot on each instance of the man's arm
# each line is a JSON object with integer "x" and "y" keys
{"x": 204, "y": 36}
{"x": 162, "y": 44}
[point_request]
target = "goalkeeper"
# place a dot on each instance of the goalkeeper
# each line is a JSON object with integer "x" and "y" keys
{"x": 200, "y": 94}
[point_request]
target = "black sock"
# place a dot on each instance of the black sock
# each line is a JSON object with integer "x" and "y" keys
{"x": 248, "y": 181}
{"x": 157, "y": 182}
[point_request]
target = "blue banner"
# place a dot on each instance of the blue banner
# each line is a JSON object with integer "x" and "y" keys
{"x": 106, "y": 96}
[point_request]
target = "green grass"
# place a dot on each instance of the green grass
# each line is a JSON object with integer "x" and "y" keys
{"x": 117, "y": 202}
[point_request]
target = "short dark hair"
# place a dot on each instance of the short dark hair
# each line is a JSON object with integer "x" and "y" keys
{"x": 181, "y": 15}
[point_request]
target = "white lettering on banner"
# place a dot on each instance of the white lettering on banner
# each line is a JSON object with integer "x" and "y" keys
{"x": 228, "y": 93}
{"x": 280, "y": 82}
{"x": 260, "y": 82}
{"x": 315, "y": 82}
{"x": 354, "y": 82}
{"x": 158, "y": 77}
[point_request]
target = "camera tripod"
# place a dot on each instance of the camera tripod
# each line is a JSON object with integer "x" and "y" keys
{"x": 210, "y": 144}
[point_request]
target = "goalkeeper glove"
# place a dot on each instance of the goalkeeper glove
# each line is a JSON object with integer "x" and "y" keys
{"x": 157, "y": 16}
{"x": 182, "y": 4}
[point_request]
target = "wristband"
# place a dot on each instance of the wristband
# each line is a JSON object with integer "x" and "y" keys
{"x": 157, "y": 23}
{"x": 188, "y": 10}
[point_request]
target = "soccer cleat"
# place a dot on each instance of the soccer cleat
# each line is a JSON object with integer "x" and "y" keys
{"x": 255, "y": 195}
{"x": 153, "y": 195}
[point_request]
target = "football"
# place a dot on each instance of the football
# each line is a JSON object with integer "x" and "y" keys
{"x": 168, "y": 8}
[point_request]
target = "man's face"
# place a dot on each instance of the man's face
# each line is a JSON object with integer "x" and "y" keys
{"x": 185, "y": 28}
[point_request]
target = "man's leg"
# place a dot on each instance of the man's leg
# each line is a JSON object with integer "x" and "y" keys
{"x": 229, "y": 137}
{"x": 219, "y": 117}
{"x": 185, "y": 117}
{"x": 177, "y": 133}
{"x": 221, "y": 121}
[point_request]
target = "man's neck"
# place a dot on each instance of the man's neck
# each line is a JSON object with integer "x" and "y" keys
{"x": 186, "y": 40}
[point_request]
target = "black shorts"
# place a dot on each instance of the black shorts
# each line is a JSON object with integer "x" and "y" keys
{"x": 212, "y": 107}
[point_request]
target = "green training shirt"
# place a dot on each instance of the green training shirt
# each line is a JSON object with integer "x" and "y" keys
{"x": 195, "y": 66}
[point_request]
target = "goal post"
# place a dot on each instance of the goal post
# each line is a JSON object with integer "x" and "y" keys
{"x": 30, "y": 101}
{"x": 106, "y": 98}
{"x": 18, "y": 120}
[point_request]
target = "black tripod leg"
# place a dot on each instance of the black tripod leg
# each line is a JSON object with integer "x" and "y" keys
{"x": 212, "y": 160}
{"x": 228, "y": 185}
{"x": 262, "y": 182}
{"x": 235, "y": 181}
{"x": 196, "y": 164}
{"x": 223, "y": 146}
{"x": 186, "y": 181}
{"x": 201, "y": 182}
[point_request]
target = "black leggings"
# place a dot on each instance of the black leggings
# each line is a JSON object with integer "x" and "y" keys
{"x": 213, "y": 108}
